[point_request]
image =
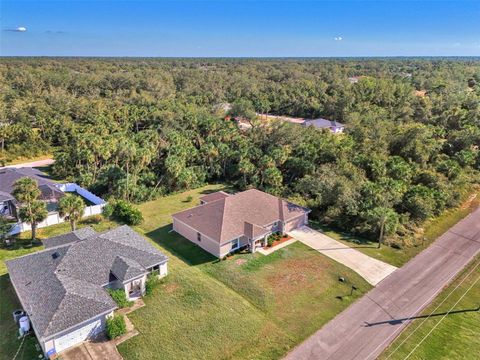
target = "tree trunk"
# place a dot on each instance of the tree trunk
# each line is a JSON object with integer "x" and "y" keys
{"x": 34, "y": 230}
{"x": 382, "y": 227}
{"x": 72, "y": 225}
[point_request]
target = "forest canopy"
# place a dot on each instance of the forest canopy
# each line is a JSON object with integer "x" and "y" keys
{"x": 134, "y": 129}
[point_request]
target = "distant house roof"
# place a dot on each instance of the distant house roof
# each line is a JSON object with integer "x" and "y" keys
{"x": 8, "y": 177}
{"x": 244, "y": 213}
{"x": 323, "y": 124}
{"x": 214, "y": 196}
{"x": 62, "y": 286}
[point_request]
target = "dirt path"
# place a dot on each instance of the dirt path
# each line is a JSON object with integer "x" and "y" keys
{"x": 38, "y": 163}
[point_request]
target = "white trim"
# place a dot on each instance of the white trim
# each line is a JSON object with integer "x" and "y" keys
{"x": 238, "y": 244}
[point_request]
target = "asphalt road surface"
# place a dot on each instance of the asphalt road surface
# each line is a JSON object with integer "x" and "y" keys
{"x": 368, "y": 326}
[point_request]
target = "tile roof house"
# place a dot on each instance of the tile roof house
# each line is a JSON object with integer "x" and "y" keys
{"x": 62, "y": 289}
{"x": 51, "y": 193}
{"x": 224, "y": 223}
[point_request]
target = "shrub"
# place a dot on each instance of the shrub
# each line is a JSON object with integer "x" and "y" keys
{"x": 120, "y": 298}
{"x": 123, "y": 211}
{"x": 116, "y": 326}
{"x": 151, "y": 283}
{"x": 189, "y": 198}
{"x": 92, "y": 220}
{"x": 270, "y": 240}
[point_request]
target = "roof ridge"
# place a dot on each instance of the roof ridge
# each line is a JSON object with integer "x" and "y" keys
{"x": 223, "y": 216}
{"x": 70, "y": 293}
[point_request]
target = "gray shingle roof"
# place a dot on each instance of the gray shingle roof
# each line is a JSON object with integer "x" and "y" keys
{"x": 4, "y": 196}
{"x": 70, "y": 237}
{"x": 8, "y": 176}
{"x": 125, "y": 269}
{"x": 62, "y": 286}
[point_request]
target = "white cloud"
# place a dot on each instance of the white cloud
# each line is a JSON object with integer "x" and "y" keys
{"x": 21, "y": 29}
{"x": 338, "y": 38}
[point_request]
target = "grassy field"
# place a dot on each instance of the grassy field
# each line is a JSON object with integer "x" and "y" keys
{"x": 453, "y": 336}
{"x": 246, "y": 307}
{"x": 398, "y": 257}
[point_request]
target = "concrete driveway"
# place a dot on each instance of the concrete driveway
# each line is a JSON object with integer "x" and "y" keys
{"x": 370, "y": 269}
{"x": 99, "y": 349}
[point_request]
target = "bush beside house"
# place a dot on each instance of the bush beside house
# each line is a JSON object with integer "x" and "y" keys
{"x": 116, "y": 326}
{"x": 120, "y": 298}
{"x": 123, "y": 211}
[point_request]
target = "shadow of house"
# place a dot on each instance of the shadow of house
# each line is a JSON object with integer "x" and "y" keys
{"x": 182, "y": 248}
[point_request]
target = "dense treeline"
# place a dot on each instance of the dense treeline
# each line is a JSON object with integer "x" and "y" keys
{"x": 135, "y": 129}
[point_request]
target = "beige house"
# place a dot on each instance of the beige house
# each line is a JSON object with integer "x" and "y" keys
{"x": 224, "y": 223}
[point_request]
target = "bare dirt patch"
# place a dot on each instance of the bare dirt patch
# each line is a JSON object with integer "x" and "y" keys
{"x": 171, "y": 288}
{"x": 240, "y": 261}
{"x": 296, "y": 275}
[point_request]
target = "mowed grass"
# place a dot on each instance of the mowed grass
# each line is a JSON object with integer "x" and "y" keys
{"x": 454, "y": 336}
{"x": 9, "y": 342}
{"x": 432, "y": 228}
{"x": 246, "y": 307}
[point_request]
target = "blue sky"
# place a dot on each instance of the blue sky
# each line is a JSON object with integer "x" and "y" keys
{"x": 239, "y": 28}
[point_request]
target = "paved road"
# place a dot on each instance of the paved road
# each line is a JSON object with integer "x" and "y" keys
{"x": 368, "y": 326}
{"x": 37, "y": 163}
{"x": 370, "y": 269}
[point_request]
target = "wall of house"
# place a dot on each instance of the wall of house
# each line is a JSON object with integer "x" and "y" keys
{"x": 226, "y": 247}
{"x": 129, "y": 285}
{"x": 163, "y": 270}
{"x": 189, "y": 233}
{"x": 50, "y": 344}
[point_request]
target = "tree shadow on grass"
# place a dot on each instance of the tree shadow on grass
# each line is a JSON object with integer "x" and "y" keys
{"x": 230, "y": 189}
{"x": 357, "y": 241}
{"x": 180, "y": 247}
{"x": 19, "y": 244}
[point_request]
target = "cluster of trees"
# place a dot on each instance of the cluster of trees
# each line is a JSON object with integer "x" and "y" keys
{"x": 136, "y": 129}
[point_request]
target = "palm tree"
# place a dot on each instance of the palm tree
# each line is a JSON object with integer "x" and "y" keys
{"x": 71, "y": 207}
{"x": 32, "y": 210}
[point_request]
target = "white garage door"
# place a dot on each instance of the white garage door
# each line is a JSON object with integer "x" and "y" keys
{"x": 79, "y": 335}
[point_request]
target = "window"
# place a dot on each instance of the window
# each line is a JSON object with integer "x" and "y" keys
{"x": 199, "y": 236}
{"x": 235, "y": 244}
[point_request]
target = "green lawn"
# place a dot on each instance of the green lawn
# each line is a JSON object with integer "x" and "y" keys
{"x": 246, "y": 307}
{"x": 456, "y": 336}
{"x": 398, "y": 257}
